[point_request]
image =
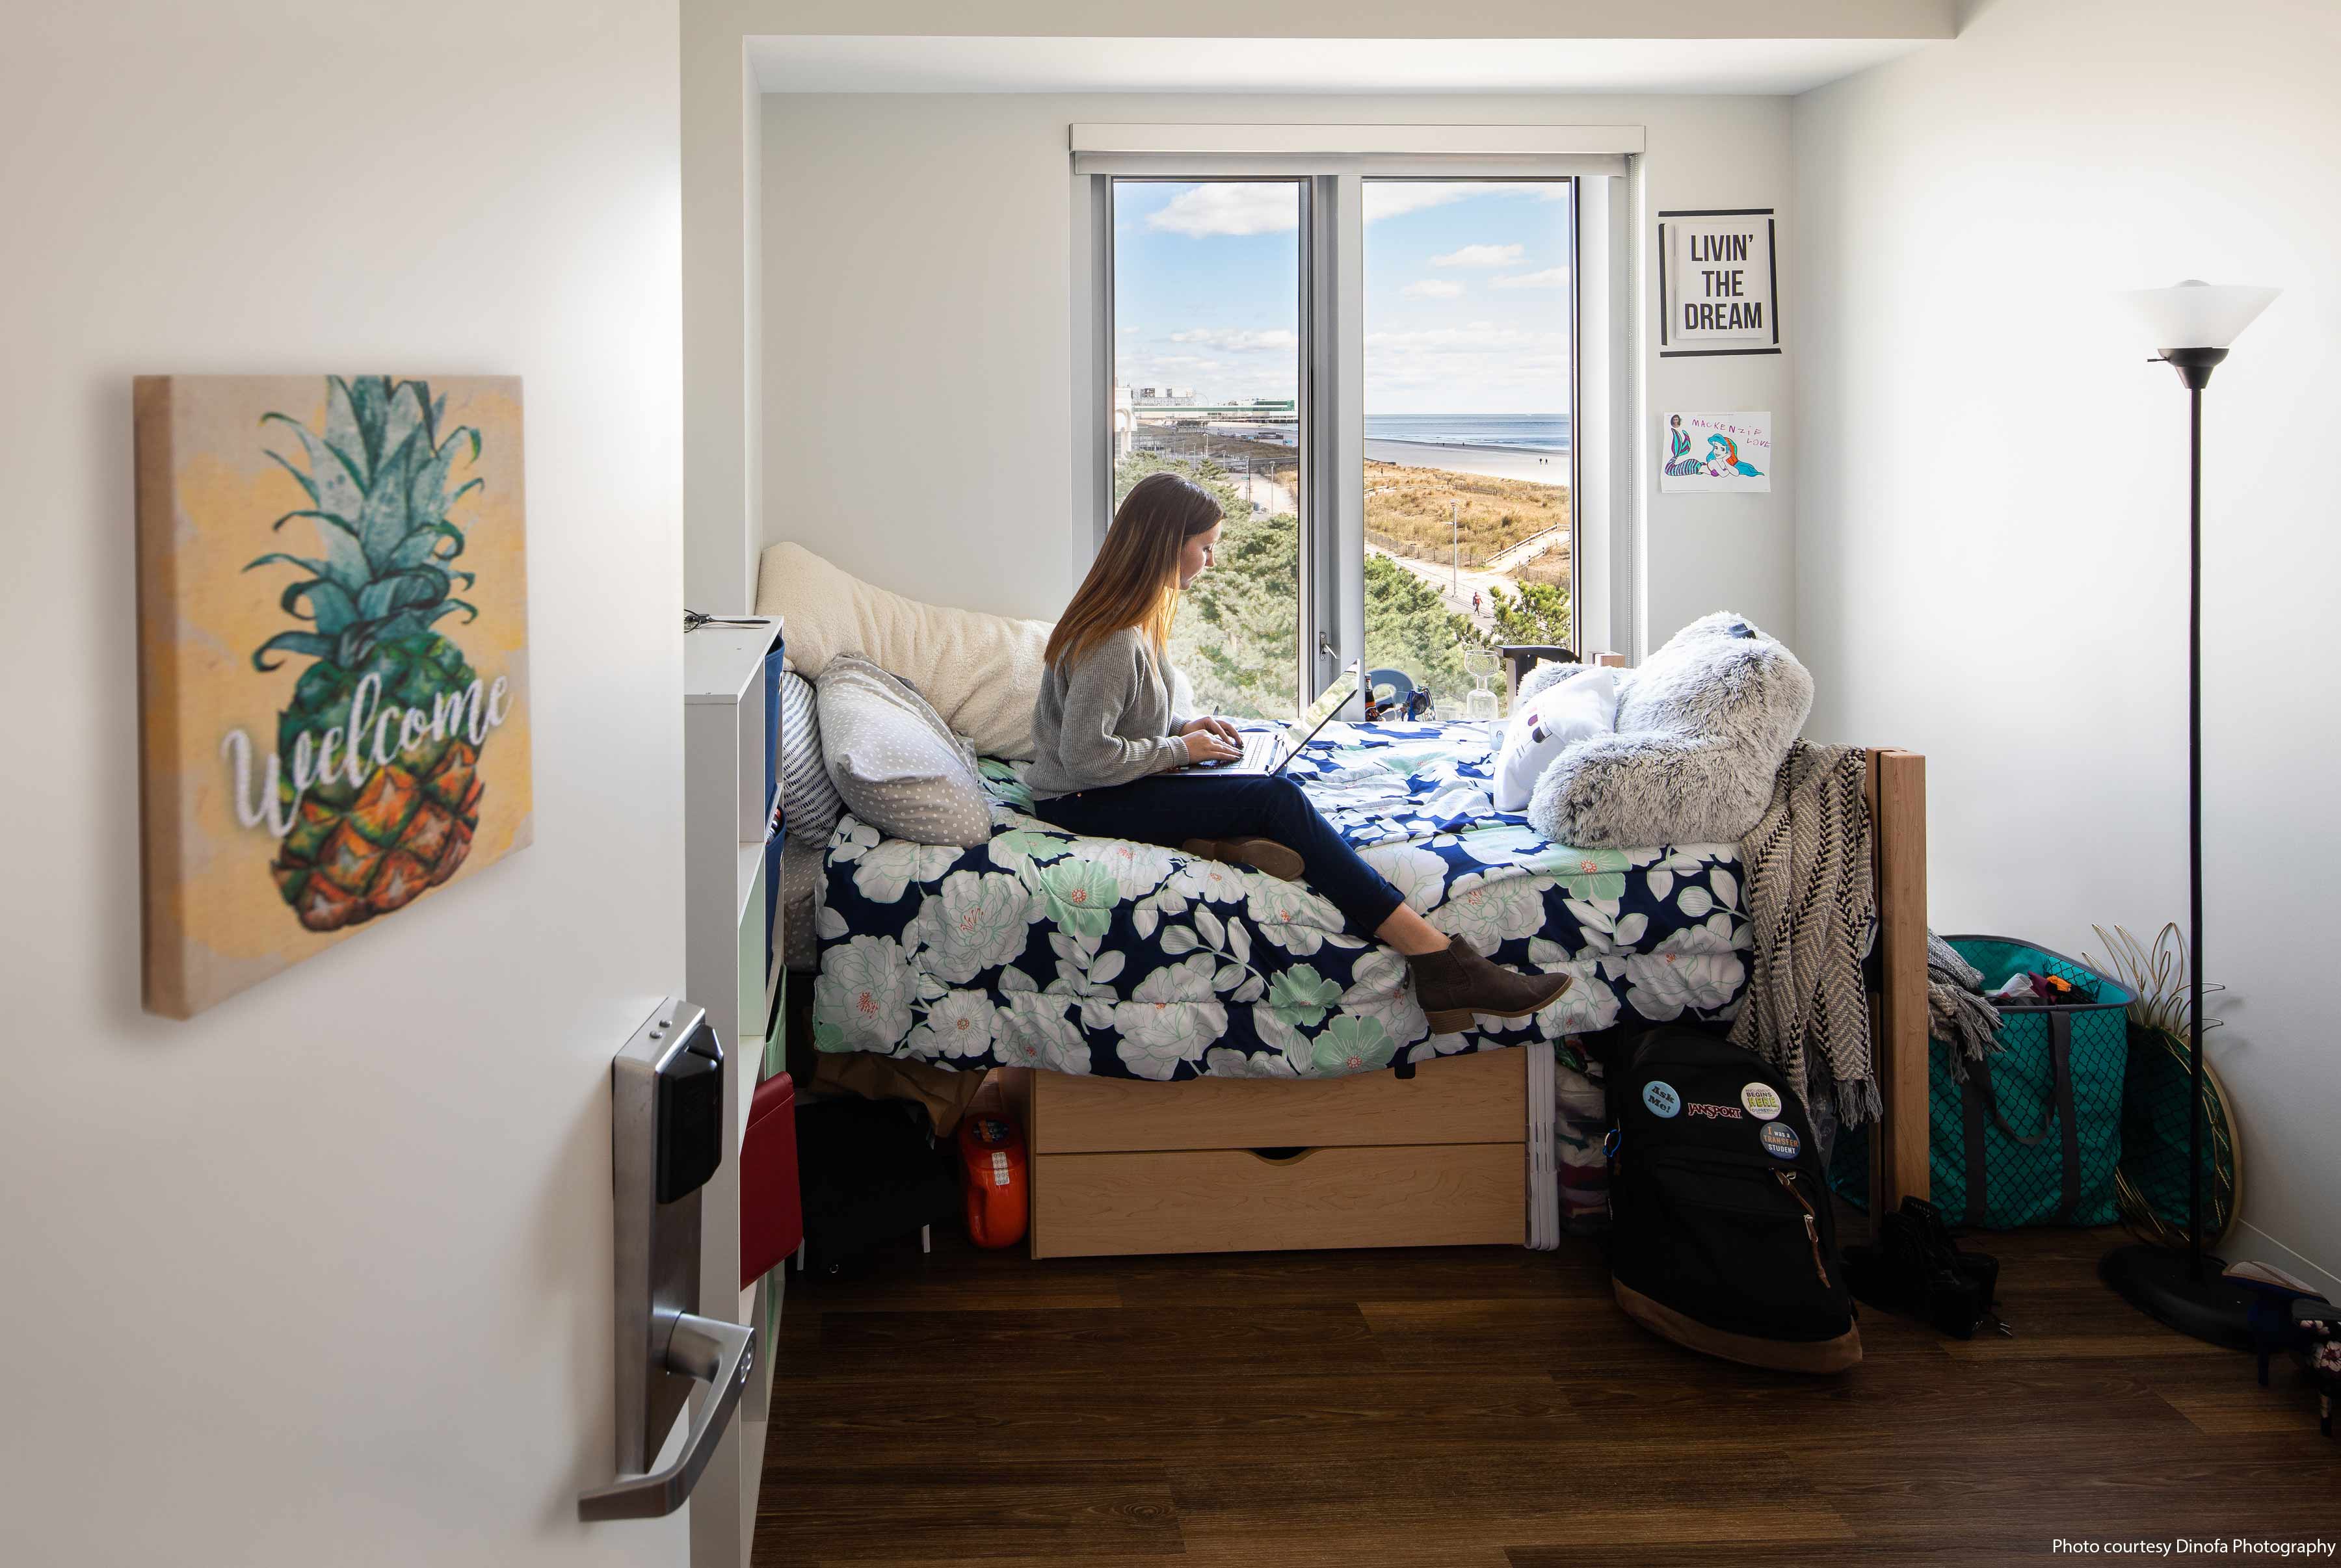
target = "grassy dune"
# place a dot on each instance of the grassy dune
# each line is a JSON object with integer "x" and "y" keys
{"x": 1407, "y": 507}
{"x": 1407, "y": 511}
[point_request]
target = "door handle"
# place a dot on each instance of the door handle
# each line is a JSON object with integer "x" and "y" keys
{"x": 719, "y": 1354}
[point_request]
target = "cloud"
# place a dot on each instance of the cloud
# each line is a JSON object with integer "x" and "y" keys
{"x": 1479, "y": 365}
{"x": 1551, "y": 278}
{"x": 1146, "y": 367}
{"x": 1245, "y": 208}
{"x": 1432, "y": 289}
{"x": 1473, "y": 337}
{"x": 1235, "y": 339}
{"x": 1214, "y": 380}
{"x": 1389, "y": 198}
{"x": 1480, "y": 256}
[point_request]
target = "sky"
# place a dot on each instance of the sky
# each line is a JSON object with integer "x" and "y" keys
{"x": 1467, "y": 295}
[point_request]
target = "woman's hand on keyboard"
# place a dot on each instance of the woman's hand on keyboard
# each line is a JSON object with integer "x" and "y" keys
{"x": 1212, "y": 724}
{"x": 1208, "y": 746}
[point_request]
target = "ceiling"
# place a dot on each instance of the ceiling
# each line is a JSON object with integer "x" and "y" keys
{"x": 842, "y": 64}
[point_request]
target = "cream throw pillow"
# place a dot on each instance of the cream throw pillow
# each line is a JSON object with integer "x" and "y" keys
{"x": 981, "y": 672}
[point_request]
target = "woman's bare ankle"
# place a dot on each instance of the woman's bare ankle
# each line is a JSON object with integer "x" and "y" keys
{"x": 1411, "y": 933}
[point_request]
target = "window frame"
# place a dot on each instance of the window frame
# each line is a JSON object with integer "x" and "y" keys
{"x": 1330, "y": 428}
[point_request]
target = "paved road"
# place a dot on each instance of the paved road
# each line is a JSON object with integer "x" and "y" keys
{"x": 1265, "y": 493}
{"x": 1474, "y": 580}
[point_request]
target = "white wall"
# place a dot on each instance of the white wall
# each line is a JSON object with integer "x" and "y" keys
{"x": 323, "y": 1277}
{"x": 1991, "y": 545}
{"x": 918, "y": 333}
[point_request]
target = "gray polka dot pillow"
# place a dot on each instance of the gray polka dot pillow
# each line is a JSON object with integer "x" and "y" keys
{"x": 894, "y": 760}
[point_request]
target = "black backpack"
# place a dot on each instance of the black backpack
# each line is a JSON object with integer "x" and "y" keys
{"x": 1722, "y": 1236}
{"x": 871, "y": 1174}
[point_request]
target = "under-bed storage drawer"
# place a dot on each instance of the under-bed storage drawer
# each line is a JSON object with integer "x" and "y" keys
{"x": 1468, "y": 1099}
{"x": 1233, "y": 1200}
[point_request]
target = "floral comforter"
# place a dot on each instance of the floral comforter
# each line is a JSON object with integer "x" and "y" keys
{"x": 1042, "y": 949}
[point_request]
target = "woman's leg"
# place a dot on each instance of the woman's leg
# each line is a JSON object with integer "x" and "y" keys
{"x": 1411, "y": 933}
{"x": 1169, "y": 812}
{"x": 1453, "y": 983}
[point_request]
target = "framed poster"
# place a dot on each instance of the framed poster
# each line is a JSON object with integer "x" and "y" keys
{"x": 332, "y": 628}
{"x": 1718, "y": 293}
{"x": 1715, "y": 453}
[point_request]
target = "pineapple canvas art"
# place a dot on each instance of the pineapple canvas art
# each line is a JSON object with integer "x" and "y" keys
{"x": 333, "y": 630}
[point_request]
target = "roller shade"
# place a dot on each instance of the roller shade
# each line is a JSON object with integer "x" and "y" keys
{"x": 1447, "y": 152}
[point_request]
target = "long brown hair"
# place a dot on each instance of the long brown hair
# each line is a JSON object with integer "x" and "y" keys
{"x": 1134, "y": 582}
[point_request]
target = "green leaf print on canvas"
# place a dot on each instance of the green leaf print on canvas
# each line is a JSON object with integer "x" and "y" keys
{"x": 1081, "y": 896}
{"x": 1591, "y": 874}
{"x": 1299, "y": 995}
{"x": 1353, "y": 1045}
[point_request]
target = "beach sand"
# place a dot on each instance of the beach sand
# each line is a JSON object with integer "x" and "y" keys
{"x": 1495, "y": 462}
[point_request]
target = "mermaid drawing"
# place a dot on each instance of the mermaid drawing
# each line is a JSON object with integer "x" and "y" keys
{"x": 1679, "y": 458}
{"x": 1722, "y": 458}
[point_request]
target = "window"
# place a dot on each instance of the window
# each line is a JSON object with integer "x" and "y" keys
{"x": 1469, "y": 379}
{"x": 1374, "y": 362}
{"x": 1207, "y": 382}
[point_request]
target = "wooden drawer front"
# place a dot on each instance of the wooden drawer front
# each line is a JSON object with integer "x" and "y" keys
{"x": 1474, "y": 1099}
{"x": 1231, "y": 1200}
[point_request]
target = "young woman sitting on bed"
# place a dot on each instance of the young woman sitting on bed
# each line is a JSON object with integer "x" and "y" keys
{"x": 1104, "y": 734}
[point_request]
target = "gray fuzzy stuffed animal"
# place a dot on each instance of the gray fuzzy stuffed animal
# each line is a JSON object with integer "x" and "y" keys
{"x": 1702, "y": 727}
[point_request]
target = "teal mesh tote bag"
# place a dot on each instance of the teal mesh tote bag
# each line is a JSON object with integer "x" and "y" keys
{"x": 2033, "y": 1134}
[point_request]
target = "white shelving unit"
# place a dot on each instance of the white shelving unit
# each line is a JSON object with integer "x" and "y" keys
{"x": 728, "y": 969}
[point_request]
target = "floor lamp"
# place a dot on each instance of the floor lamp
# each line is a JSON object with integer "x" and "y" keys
{"x": 2192, "y": 323}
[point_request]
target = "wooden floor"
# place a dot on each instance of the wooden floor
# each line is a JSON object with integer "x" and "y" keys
{"x": 1488, "y": 1406}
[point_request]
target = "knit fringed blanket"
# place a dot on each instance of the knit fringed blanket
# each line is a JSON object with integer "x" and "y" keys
{"x": 1956, "y": 1008}
{"x": 1813, "y": 906}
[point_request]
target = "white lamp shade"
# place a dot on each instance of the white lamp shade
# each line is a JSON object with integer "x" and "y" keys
{"x": 2198, "y": 316}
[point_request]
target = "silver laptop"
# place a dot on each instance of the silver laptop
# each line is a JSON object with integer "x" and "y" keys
{"x": 1268, "y": 751}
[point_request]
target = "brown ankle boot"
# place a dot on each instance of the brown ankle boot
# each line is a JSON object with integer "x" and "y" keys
{"x": 1259, "y": 854}
{"x": 1455, "y": 984}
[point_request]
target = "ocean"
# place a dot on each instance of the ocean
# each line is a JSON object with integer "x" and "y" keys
{"x": 1539, "y": 432}
{"x": 1524, "y": 446}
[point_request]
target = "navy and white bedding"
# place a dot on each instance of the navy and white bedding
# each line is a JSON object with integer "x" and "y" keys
{"x": 1101, "y": 956}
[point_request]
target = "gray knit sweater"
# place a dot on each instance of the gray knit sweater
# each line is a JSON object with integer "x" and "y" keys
{"x": 1107, "y": 720}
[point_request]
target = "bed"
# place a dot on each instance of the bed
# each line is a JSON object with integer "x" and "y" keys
{"x": 1200, "y": 1051}
{"x": 1205, "y": 1061}
{"x": 1106, "y": 957}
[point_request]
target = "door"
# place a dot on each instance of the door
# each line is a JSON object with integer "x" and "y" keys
{"x": 323, "y": 1275}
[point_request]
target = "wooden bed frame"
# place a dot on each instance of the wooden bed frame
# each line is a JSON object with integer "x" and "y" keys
{"x": 1439, "y": 1159}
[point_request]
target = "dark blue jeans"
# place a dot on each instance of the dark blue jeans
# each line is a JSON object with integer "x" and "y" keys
{"x": 1169, "y": 812}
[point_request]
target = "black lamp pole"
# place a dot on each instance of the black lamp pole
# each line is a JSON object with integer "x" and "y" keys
{"x": 2198, "y": 376}
{"x": 2190, "y": 1298}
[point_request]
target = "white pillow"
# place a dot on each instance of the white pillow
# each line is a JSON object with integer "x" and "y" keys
{"x": 981, "y": 672}
{"x": 1547, "y": 724}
